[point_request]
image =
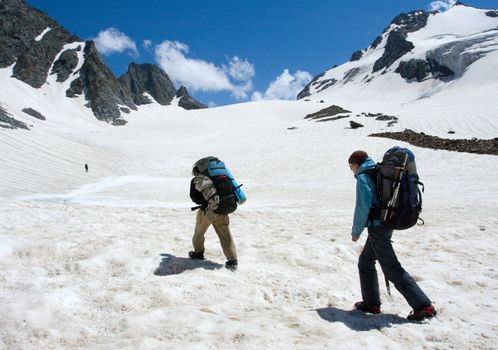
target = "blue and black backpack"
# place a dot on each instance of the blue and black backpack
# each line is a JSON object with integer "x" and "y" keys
{"x": 216, "y": 170}
{"x": 397, "y": 185}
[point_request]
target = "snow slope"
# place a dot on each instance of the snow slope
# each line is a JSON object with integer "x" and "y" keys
{"x": 78, "y": 251}
{"x": 477, "y": 85}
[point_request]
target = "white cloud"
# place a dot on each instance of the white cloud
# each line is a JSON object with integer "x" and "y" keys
{"x": 199, "y": 75}
{"x": 147, "y": 44}
{"x": 285, "y": 87}
{"x": 241, "y": 70}
{"x": 111, "y": 41}
{"x": 441, "y": 5}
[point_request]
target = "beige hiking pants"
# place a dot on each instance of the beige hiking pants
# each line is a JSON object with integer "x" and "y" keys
{"x": 221, "y": 226}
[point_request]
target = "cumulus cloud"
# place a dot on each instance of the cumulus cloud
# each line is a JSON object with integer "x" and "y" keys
{"x": 285, "y": 87}
{"x": 441, "y": 5}
{"x": 200, "y": 75}
{"x": 111, "y": 41}
{"x": 241, "y": 70}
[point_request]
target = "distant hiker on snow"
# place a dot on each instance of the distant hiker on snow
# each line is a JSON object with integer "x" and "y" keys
{"x": 379, "y": 247}
{"x": 212, "y": 188}
{"x": 86, "y": 167}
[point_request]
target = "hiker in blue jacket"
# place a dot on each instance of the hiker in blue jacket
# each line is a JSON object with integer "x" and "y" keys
{"x": 379, "y": 247}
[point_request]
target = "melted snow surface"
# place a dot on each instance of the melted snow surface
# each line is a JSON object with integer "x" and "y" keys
{"x": 79, "y": 250}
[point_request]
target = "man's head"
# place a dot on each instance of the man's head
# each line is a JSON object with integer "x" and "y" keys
{"x": 356, "y": 159}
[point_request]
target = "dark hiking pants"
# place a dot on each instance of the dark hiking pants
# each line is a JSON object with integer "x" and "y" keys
{"x": 379, "y": 247}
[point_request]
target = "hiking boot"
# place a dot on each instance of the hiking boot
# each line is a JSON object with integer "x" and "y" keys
{"x": 422, "y": 314}
{"x": 371, "y": 309}
{"x": 232, "y": 265}
{"x": 196, "y": 255}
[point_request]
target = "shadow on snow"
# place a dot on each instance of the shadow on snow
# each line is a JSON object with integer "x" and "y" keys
{"x": 172, "y": 265}
{"x": 359, "y": 321}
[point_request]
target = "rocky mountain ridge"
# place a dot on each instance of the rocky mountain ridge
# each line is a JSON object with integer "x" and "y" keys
{"x": 416, "y": 46}
{"x": 37, "y": 47}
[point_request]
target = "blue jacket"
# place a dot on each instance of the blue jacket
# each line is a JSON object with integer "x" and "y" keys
{"x": 366, "y": 198}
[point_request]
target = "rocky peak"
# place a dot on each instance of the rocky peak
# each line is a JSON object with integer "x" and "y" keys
{"x": 412, "y": 21}
{"x": 20, "y": 41}
{"x": 186, "y": 101}
{"x": 36, "y": 46}
{"x": 148, "y": 78}
{"x": 396, "y": 47}
{"x": 396, "y": 43}
{"x": 441, "y": 61}
{"x": 102, "y": 90}
{"x": 399, "y": 27}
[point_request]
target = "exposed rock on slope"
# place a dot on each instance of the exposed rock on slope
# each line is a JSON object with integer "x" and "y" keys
{"x": 434, "y": 142}
{"x": 186, "y": 101}
{"x": 418, "y": 46}
{"x": 20, "y": 41}
{"x": 102, "y": 90}
{"x": 7, "y": 122}
{"x": 36, "y": 47}
{"x": 148, "y": 78}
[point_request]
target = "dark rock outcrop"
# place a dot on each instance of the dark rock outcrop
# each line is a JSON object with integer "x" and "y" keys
{"x": 396, "y": 47}
{"x": 405, "y": 23}
{"x": 332, "y": 118}
{"x": 186, "y": 101}
{"x": 413, "y": 69}
{"x": 65, "y": 64}
{"x": 492, "y": 13}
{"x": 417, "y": 69}
{"x": 148, "y": 78}
{"x": 355, "y": 125}
{"x": 412, "y": 21}
{"x": 7, "y": 122}
{"x": 306, "y": 91}
{"x": 20, "y": 26}
{"x": 356, "y": 56}
{"x": 350, "y": 74}
{"x": 34, "y": 113}
{"x": 327, "y": 112}
{"x": 102, "y": 90}
{"x": 76, "y": 88}
{"x": 325, "y": 84}
{"x": 458, "y": 145}
{"x": 396, "y": 44}
{"x": 376, "y": 42}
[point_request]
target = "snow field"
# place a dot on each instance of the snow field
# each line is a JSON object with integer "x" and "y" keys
{"x": 98, "y": 260}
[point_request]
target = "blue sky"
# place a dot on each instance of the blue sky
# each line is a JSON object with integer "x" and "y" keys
{"x": 229, "y": 51}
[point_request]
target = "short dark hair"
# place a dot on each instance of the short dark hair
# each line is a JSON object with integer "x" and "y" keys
{"x": 357, "y": 157}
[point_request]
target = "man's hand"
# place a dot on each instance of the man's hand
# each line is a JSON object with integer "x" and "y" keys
{"x": 354, "y": 238}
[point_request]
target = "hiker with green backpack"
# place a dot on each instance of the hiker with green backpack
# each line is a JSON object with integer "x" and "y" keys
{"x": 387, "y": 198}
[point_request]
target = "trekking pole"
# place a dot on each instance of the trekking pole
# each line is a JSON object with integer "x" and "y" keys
{"x": 195, "y": 208}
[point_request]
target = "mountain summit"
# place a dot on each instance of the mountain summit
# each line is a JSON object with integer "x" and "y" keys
{"x": 419, "y": 55}
{"x": 40, "y": 53}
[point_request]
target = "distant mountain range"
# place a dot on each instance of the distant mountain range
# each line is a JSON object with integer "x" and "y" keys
{"x": 419, "y": 55}
{"x": 36, "y": 48}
